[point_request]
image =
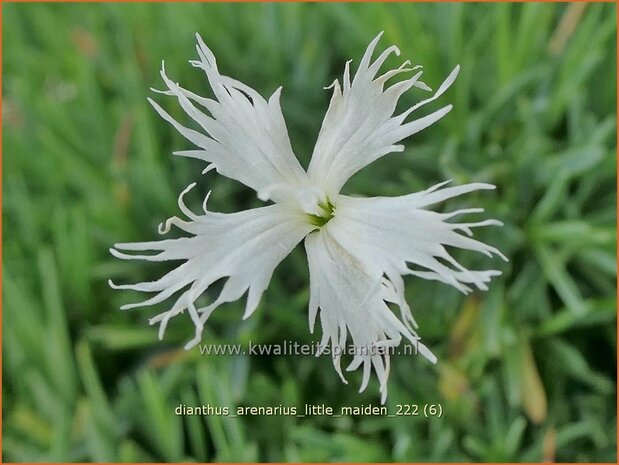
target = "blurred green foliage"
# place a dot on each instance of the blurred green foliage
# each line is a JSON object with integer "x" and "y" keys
{"x": 526, "y": 371}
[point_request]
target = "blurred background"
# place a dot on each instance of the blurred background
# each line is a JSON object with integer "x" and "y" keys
{"x": 527, "y": 370}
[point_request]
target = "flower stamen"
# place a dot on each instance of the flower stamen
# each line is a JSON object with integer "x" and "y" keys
{"x": 328, "y": 211}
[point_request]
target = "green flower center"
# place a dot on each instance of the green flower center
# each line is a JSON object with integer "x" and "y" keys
{"x": 327, "y": 210}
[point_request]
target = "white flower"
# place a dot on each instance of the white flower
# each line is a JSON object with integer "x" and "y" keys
{"x": 358, "y": 249}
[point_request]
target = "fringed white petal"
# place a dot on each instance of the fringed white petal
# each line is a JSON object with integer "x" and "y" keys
{"x": 359, "y": 126}
{"x": 391, "y": 234}
{"x": 244, "y": 247}
{"x": 243, "y": 135}
{"x": 350, "y": 298}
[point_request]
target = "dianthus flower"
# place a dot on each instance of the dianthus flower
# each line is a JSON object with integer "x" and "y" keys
{"x": 358, "y": 249}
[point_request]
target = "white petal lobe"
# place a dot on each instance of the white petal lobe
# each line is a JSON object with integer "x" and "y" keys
{"x": 349, "y": 297}
{"x": 243, "y": 135}
{"x": 243, "y": 247}
{"x": 359, "y": 126}
{"x": 395, "y": 233}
